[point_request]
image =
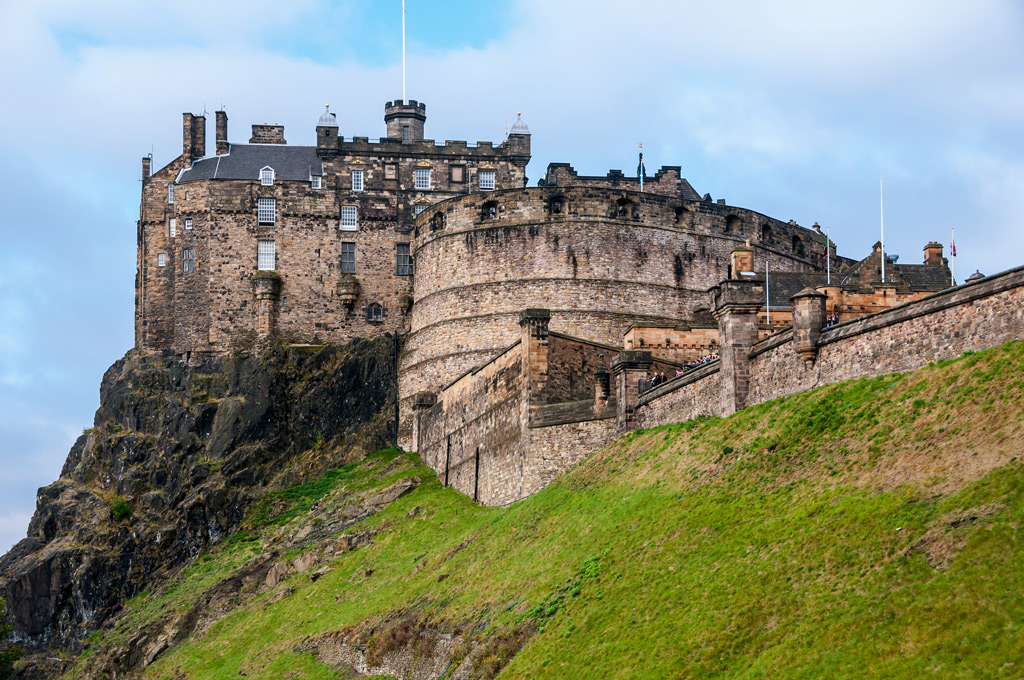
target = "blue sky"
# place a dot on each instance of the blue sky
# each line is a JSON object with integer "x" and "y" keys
{"x": 794, "y": 109}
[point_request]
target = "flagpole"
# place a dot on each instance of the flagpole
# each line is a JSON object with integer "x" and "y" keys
{"x": 952, "y": 261}
{"x": 767, "y": 296}
{"x": 403, "y": 52}
{"x": 881, "y": 210}
{"x": 828, "y": 257}
{"x": 640, "y": 168}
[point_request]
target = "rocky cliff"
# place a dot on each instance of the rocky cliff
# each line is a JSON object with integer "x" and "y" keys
{"x": 176, "y": 457}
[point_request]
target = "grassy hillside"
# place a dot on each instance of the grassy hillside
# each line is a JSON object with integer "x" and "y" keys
{"x": 868, "y": 529}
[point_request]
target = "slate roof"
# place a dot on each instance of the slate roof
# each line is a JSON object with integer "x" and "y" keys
{"x": 784, "y": 285}
{"x": 923, "y": 276}
{"x": 244, "y": 161}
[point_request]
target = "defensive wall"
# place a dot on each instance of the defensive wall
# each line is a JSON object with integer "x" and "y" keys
{"x": 505, "y": 429}
{"x": 601, "y": 259}
{"x": 943, "y": 325}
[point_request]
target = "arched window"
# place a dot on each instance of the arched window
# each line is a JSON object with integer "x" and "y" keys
{"x": 489, "y": 210}
{"x": 766, "y": 233}
{"x": 374, "y": 313}
{"x": 798, "y": 245}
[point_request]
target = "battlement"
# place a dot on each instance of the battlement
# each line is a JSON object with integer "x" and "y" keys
{"x": 405, "y": 120}
{"x": 667, "y": 180}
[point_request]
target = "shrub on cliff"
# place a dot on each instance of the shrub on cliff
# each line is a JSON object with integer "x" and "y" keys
{"x": 8, "y": 653}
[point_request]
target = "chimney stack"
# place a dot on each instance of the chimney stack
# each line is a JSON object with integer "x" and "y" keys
{"x": 222, "y": 132}
{"x": 933, "y": 253}
{"x": 147, "y": 163}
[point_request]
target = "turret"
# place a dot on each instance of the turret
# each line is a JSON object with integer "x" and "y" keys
{"x": 405, "y": 121}
{"x": 519, "y": 138}
{"x": 327, "y": 130}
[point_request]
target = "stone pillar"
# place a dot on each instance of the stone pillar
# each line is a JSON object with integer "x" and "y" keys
{"x": 628, "y": 369}
{"x": 735, "y": 304}
{"x": 534, "y": 325}
{"x": 267, "y": 288}
{"x": 421, "y": 403}
{"x": 808, "y": 320}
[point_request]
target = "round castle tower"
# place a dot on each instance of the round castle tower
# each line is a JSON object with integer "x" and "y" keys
{"x": 600, "y": 259}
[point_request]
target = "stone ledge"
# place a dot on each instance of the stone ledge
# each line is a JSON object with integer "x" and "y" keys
{"x": 570, "y": 412}
{"x": 674, "y": 384}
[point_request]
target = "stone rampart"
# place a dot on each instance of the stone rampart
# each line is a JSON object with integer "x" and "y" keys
{"x": 943, "y": 325}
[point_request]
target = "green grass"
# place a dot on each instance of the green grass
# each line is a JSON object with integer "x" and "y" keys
{"x": 864, "y": 530}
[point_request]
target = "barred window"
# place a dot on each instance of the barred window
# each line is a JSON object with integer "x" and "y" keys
{"x": 170, "y": 193}
{"x": 348, "y": 257}
{"x": 188, "y": 222}
{"x": 375, "y": 313}
{"x": 267, "y": 176}
{"x": 266, "y": 212}
{"x": 266, "y": 255}
{"x": 357, "y": 180}
{"x": 161, "y": 259}
{"x": 486, "y": 179}
{"x": 172, "y": 227}
{"x": 422, "y": 178}
{"x": 315, "y": 182}
{"x": 349, "y": 218}
{"x": 404, "y": 260}
{"x": 188, "y": 259}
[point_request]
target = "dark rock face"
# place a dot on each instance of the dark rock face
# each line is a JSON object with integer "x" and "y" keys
{"x": 188, "y": 449}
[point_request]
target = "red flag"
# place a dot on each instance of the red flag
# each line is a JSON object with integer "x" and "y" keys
{"x": 952, "y": 246}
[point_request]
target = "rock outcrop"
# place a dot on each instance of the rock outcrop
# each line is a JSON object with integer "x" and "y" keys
{"x": 176, "y": 457}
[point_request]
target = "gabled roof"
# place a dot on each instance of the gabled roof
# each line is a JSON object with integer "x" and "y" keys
{"x": 244, "y": 161}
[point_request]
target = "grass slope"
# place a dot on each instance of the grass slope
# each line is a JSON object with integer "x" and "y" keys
{"x": 867, "y": 529}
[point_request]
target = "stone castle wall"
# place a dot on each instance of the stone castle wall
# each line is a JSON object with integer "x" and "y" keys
{"x": 943, "y": 325}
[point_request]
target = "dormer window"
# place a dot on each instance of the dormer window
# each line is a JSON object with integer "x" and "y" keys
{"x": 315, "y": 182}
{"x": 267, "y": 176}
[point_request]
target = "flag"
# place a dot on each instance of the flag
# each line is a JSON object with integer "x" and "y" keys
{"x": 640, "y": 169}
{"x": 826, "y": 246}
{"x": 952, "y": 247}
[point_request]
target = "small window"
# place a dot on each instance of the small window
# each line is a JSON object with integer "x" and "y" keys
{"x": 188, "y": 223}
{"x": 349, "y": 218}
{"x": 622, "y": 207}
{"x": 186, "y": 195}
{"x": 419, "y": 207}
{"x": 438, "y": 221}
{"x": 348, "y": 257}
{"x": 486, "y": 179}
{"x": 375, "y": 313}
{"x": 172, "y": 227}
{"x": 315, "y": 182}
{"x": 357, "y": 180}
{"x": 161, "y": 260}
{"x": 170, "y": 193}
{"x": 406, "y": 135}
{"x": 404, "y": 260}
{"x": 422, "y": 178}
{"x": 266, "y": 212}
{"x": 188, "y": 259}
{"x": 267, "y": 176}
{"x": 489, "y": 210}
{"x": 266, "y": 255}
{"x": 556, "y": 205}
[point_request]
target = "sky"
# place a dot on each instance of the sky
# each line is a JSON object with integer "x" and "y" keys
{"x": 793, "y": 109}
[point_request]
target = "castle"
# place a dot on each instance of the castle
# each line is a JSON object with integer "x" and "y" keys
{"x": 529, "y": 314}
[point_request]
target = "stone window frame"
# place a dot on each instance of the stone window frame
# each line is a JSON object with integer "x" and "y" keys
{"x": 404, "y": 265}
{"x": 161, "y": 259}
{"x": 406, "y": 134}
{"x": 316, "y": 182}
{"x": 172, "y": 227}
{"x": 358, "y": 180}
{"x": 188, "y": 223}
{"x": 421, "y": 179}
{"x": 267, "y": 176}
{"x": 349, "y": 218}
{"x": 485, "y": 180}
{"x": 188, "y": 259}
{"x": 348, "y": 257}
{"x": 374, "y": 313}
{"x": 170, "y": 193}
{"x": 266, "y": 255}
